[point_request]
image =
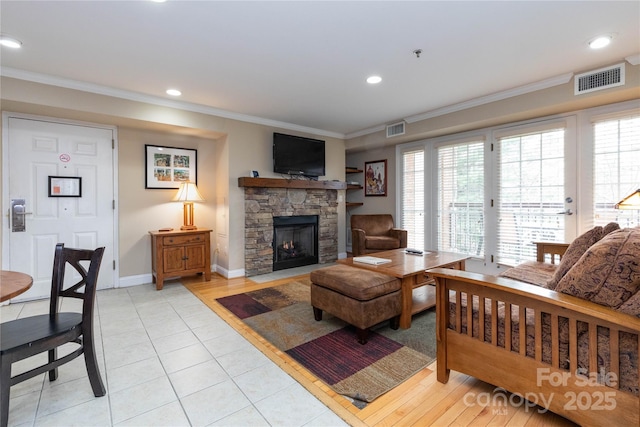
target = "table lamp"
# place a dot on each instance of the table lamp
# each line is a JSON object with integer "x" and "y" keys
{"x": 632, "y": 201}
{"x": 187, "y": 194}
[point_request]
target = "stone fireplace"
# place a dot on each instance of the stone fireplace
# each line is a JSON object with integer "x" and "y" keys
{"x": 266, "y": 198}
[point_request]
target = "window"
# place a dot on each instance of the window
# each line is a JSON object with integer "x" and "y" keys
{"x": 493, "y": 192}
{"x": 412, "y": 203}
{"x": 530, "y": 168}
{"x": 460, "y": 209}
{"x": 616, "y": 169}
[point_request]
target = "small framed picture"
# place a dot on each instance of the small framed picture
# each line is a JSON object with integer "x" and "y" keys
{"x": 168, "y": 167}
{"x": 65, "y": 186}
{"x": 375, "y": 178}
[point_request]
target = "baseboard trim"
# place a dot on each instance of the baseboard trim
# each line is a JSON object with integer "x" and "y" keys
{"x": 140, "y": 279}
{"x": 145, "y": 279}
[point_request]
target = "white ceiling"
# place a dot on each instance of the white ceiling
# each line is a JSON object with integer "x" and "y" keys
{"x": 305, "y": 63}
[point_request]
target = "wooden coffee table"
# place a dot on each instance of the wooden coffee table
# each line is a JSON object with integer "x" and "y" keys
{"x": 417, "y": 296}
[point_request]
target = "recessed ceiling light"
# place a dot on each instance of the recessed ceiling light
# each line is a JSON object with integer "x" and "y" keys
{"x": 600, "y": 42}
{"x": 374, "y": 80}
{"x": 174, "y": 92}
{"x": 10, "y": 42}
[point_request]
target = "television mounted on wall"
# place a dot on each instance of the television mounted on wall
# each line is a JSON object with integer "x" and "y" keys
{"x": 296, "y": 155}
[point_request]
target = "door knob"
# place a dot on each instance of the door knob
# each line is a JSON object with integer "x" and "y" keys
{"x": 567, "y": 212}
{"x": 17, "y": 214}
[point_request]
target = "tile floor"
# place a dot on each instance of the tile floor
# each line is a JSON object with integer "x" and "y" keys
{"x": 166, "y": 360}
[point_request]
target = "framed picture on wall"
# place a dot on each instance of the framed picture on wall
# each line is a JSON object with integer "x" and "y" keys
{"x": 65, "y": 186}
{"x": 375, "y": 178}
{"x": 168, "y": 167}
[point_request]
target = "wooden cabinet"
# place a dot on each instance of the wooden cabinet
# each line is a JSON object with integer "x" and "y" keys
{"x": 180, "y": 253}
{"x": 351, "y": 186}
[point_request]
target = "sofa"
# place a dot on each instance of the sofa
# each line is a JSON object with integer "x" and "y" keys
{"x": 562, "y": 331}
{"x": 375, "y": 233}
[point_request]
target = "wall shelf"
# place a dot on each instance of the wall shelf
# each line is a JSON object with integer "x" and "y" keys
{"x": 350, "y": 170}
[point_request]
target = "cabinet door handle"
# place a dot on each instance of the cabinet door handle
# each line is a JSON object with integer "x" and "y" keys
{"x": 185, "y": 258}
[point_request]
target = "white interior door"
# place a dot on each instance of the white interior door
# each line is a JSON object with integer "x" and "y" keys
{"x": 76, "y": 212}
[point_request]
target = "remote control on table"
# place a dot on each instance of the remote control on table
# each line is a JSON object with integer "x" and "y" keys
{"x": 413, "y": 251}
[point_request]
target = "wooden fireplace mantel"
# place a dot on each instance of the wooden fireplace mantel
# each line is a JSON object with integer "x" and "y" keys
{"x": 245, "y": 181}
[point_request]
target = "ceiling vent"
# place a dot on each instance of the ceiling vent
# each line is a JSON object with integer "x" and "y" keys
{"x": 603, "y": 78}
{"x": 395, "y": 129}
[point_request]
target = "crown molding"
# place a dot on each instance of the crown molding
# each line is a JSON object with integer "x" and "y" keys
{"x": 494, "y": 97}
{"x": 155, "y": 100}
{"x": 633, "y": 59}
{"x": 367, "y": 131}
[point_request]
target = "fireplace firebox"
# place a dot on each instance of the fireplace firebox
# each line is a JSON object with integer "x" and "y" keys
{"x": 295, "y": 241}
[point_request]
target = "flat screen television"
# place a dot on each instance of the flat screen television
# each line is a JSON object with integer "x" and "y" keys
{"x": 295, "y": 155}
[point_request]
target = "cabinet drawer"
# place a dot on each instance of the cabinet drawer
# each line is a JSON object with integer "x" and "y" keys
{"x": 181, "y": 240}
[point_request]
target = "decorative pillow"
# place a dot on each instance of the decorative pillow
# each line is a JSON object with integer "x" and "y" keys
{"x": 573, "y": 254}
{"x": 631, "y": 306}
{"x": 533, "y": 272}
{"x": 609, "y": 271}
{"x": 612, "y": 226}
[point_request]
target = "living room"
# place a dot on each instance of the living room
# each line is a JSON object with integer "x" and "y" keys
{"x": 230, "y": 146}
{"x": 223, "y": 209}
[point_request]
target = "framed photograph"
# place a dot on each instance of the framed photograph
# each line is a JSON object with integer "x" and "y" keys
{"x": 65, "y": 186}
{"x": 168, "y": 167}
{"x": 375, "y": 178}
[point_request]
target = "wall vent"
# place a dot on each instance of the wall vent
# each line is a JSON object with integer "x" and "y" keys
{"x": 603, "y": 78}
{"x": 395, "y": 129}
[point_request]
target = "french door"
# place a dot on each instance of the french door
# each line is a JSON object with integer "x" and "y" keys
{"x": 492, "y": 194}
{"x": 534, "y": 188}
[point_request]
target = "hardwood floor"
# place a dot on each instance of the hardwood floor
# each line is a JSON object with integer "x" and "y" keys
{"x": 420, "y": 401}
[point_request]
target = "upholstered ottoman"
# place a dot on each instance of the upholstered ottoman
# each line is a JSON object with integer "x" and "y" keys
{"x": 360, "y": 297}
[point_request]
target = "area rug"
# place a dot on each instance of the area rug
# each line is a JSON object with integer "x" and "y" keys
{"x": 329, "y": 348}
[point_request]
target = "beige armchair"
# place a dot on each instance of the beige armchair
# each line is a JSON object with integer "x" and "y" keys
{"x": 375, "y": 233}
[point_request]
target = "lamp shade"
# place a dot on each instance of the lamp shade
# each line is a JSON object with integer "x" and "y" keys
{"x": 188, "y": 192}
{"x": 632, "y": 201}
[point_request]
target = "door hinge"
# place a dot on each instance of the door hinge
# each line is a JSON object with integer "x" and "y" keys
{"x": 491, "y": 202}
{"x": 491, "y": 258}
{"x": 114, "y": 264}
{"x": 492, "y": 146}
{"x": 113, "y": 204}
{"x": 113, "y": 144}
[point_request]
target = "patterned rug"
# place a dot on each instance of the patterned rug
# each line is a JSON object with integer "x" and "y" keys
{"x": 329, "y": 349}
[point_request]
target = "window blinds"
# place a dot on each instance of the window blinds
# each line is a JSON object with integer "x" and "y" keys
{"x": 616, "y": 169}
{"x": 530, "y": 180}
{"x": 460, "y": 208}
{"x": 412, "y": 203}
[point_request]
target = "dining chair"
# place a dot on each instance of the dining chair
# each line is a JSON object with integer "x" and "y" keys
{"x": 28, "y": 336}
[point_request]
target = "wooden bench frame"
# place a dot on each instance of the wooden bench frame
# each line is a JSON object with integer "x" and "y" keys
{"x": 517, "y": 372}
